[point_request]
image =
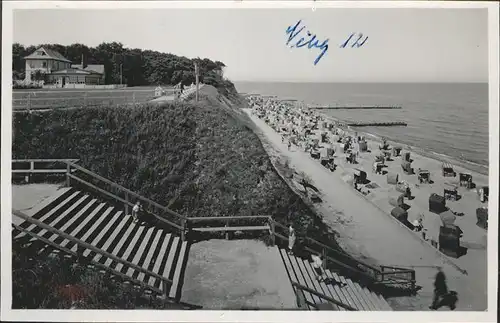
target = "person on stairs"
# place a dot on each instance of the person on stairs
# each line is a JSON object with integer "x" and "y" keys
{"x": 135, "y": 211}
{"x": 317, "y": 265}
{"x": 291, "y": 239}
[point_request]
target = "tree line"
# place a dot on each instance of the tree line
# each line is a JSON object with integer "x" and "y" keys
{"x": 138, "y": 67}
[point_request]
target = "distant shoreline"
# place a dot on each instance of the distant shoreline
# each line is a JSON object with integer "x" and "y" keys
{"x": 468, "y": 165}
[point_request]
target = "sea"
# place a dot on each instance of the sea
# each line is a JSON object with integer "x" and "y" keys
{"x": 444, "y": 119}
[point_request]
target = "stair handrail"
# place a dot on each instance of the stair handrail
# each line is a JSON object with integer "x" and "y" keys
{"x": 323, "y": 296}
{"x": 165, "y": 281}
{"x": 126, "y": 190}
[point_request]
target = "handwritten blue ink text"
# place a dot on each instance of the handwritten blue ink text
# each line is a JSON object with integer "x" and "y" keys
{"x": 356, "y": 43}
{"x": 313, "y": 42}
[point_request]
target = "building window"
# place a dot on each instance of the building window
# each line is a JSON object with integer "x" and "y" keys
{"x": 44, "y": 64}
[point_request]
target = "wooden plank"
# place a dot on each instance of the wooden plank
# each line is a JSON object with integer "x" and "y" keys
{"x": 120, "y": 243}
{"x": 366, "y": 296}
{"x": 321, "y": 286}
{"x": 103, "y": 232}
{"x": 348, "y": 292}
{"x": 161, "y": 256}
{"x": 301, "y": 280}
{"x": 249, "y": 228}
{"x": 50, "y": 213}
{"x": 355, "y": 292}
{"x": 343, "y": 296}
{"x": 82, "y": 224}
{"x": 130, "y": 247}
{"x": 307, "y": 280}
{"x": 149, "y": 256}
{"x": 62, "y": 215}
{"x": 73, "y": 219}
{"x": 288, "y": 265}
{"x": 178, "y": 271}
{"x": 167, "y": 271}
{"x": 385, "y": 303}
{"x": 140, "y": 251}
{"x": 94, "y": 226}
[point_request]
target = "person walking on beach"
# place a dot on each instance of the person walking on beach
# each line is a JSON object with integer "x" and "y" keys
{"x": 291, "y": 239}
{"x": 440, "y": 289}
{"x": 289, "y": 144}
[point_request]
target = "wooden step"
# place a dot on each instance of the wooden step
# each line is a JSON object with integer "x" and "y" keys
{"x": 162, "y": 255}
{"x": 362, "y": 293}
{"x": 342, "y": 294}
{"x": 308, "y": 281}
{"x": 352, "y": 288}
{"x": 94, "y": 226}
{"x": 82, "y": 224}
{"x": 320, "y": 286}
{"x": 104, "y": 231}
{"x": 61, "y": 216}
{"x": 47, "y": 215}
{"x": 110, "y": 240}
{"x": 73, "y": 219}
{"x": 140, "y": 251}
{"x": 348, "y": 292}
{"x": 178, "y": 271}
{"x": 127, "y": 254}
{"x": 302, "y": 281}
{"x": 149, "y": 256}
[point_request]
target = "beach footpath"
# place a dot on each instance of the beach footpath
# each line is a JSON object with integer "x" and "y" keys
{"x": 368, "y": 231}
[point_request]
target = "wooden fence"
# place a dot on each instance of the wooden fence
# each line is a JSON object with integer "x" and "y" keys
{"x": 41, "y": 100}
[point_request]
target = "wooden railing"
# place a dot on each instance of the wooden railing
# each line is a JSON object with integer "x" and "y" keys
{"x": 185, "y": 225}
{"x": 116, "y": 192}
{"x": 303, "y": 288}
{"x": 165, "y": 281}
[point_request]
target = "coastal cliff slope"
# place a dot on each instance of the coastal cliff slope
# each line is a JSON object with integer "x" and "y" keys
{"x": 200, "y": 159}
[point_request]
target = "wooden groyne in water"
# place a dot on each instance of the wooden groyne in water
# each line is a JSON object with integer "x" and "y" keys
{"x": 377, "y": 124}
{"x": 355, "y": 107}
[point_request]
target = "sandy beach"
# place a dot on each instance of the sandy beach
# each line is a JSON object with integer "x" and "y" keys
{"x": 368, "y": 231}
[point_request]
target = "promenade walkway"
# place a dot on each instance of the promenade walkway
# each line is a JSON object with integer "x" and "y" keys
{"x": 368, "y": 232}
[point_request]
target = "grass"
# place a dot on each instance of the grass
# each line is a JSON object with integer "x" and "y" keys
{"x": 62, "y": 98}
{"x": 55, "y": 282}
{"x": 199, "y": 159}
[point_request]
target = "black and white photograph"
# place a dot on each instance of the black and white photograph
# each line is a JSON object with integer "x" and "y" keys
{"x": 249, "y": 161}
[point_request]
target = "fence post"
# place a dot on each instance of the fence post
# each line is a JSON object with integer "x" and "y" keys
{"x": 227, "y": 232}
{"x": 273, "y": 237}
{"x": 133, "y": 97}
{"x": 183, "y": 230}
{"x": 126, "y": 204}
{"x": 165, "y": 292}
{"x": 29, "y": 101}
{"x": 85, "y": 99}
{"x": 67, "y": 175}
{"x": 324, "y": 257}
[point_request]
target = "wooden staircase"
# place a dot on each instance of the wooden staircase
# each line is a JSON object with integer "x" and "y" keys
{"x": 102, "y": 225}
{"x": 300, "y": 271}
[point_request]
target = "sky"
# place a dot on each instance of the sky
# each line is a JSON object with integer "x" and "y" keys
{"x": 403, "y": 45}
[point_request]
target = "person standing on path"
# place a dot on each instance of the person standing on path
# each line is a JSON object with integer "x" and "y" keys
{"x": 291, "y": 239}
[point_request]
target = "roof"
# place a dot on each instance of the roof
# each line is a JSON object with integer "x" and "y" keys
{"x": 94, "y": 68}
{"x": 74, "y": 71}
{"x": 49, "y": 54}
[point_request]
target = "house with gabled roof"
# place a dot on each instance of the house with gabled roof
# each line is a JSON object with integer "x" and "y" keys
{"x": 58, "y": 70}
